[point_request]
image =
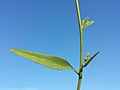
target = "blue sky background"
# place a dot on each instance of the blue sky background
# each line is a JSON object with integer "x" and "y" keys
{"x": 50, "y": 27}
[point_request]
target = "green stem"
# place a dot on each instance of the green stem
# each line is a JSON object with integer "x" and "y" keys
{"x": 79, "y": 83}
{"x": 81, "y": 45}
{"x": 80, "y": 29}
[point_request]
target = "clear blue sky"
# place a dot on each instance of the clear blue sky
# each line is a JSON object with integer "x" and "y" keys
{"x": 50, "y": 27}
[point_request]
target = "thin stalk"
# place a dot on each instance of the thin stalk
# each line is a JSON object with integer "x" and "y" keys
{"x": 81, "y": 45}
{"x": 79, "y": 83}
{"x": 80, "y": 30}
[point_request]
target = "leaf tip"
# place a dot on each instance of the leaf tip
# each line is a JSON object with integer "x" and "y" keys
{"x": 12, "y": 50}
{"x": 92, "y": 21}
{"x": 98, "y": 52}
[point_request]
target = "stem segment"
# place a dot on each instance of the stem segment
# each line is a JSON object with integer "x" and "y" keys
{"x": 80, "y": 29}
{"x": 79, "y": 83}
{"x": 81, "y": 42}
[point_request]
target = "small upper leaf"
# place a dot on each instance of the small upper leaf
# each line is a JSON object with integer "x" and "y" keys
{"x": 86, "y": 22}
{"x": 86, "y": 63}
{"x": 52, "y": 62}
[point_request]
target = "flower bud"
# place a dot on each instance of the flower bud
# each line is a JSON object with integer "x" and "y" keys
{"x": 86, "y": 59}
{"x": 88, "y": 54}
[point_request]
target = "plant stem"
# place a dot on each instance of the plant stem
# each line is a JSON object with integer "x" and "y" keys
{"x": 80, "y": 29}
{"x": 79, "y": 83}
{"x": 81, "y": 48}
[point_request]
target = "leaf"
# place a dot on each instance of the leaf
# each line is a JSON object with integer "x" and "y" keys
{"x": 52, "y": 62}
{"x": 86, "y": 63}
{"x": 86, "y": 22}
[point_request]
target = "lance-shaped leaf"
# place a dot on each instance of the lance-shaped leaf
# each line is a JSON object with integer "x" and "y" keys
{"x": 86, "y": 22}
{"x": 86, "y": 63}
{"x": 52, "y": 62}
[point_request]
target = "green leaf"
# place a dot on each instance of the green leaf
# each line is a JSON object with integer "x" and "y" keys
{"x": 86, "y": 22}
{"x": 86, "y": 63}
{"x": 52, "y": 62}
